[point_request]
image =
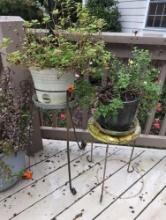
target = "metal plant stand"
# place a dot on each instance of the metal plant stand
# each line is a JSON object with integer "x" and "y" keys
{"x": 113, "y": 139}
{"x": 69, "y": 118}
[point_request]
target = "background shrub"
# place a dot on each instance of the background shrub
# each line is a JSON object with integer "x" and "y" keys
{"x": 27, "y": 9}
{"x": 107, "y": 10}
{"x": 36, "y": 9}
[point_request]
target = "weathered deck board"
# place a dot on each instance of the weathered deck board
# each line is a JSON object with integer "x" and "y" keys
{"x": 88, "y": 182}
{"x": 156, "y": 210}
{"x": 47, "y": 184}
{"x": 50, "y": 161}
{"x": 50, "y": 197}
{"x": 117, "y": 185}
{"x": 132, "y": 206}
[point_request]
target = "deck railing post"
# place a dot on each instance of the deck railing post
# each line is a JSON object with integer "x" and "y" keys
{"x": 150, "y": 119}
{"x": 12, "y": 28}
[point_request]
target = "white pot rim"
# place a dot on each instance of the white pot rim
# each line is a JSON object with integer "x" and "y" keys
{"x": 51, "y": 68}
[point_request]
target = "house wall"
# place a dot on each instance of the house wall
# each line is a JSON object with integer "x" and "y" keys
{"x": 133, "y": 17}
{"x": 133, "y": 14}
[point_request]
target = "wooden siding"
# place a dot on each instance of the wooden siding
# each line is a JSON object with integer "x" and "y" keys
{"x": 133, "y": 14}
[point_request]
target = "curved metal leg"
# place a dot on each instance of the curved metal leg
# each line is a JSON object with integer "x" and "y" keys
{"x": 72, "y": 189}
{"x": 129, "y": 170}
{"x": 83, "y": 144}
{"x": 104, "y": 172}
{"x": 90, "y": 159}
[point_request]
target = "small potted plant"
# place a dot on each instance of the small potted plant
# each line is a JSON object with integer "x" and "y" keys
{"x": 15, "y": 129}
{"x": 128, "y": 89}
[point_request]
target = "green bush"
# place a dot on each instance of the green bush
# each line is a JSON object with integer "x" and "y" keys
{"x": 27, "y": 9}
{"x": 107, "y": 10}
{"x": 62, "y": 12}
{"x": 58, "y": 10}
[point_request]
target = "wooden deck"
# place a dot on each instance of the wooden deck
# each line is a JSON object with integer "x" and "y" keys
{"x": 127, "y": 196}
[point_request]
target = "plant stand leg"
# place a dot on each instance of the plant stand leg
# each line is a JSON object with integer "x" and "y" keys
{"x": 83, "y": 144}
{"x": 90, "y": 159}
{"x": 72, "y": 189}
{"x": 129, "y": 170}
{"x": 104, "y": 172}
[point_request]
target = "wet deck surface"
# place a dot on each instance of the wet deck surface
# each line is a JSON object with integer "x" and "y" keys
{"x": 127, "y": 196}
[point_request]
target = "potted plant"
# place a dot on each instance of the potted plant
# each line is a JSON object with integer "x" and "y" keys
{"x": 53, "y": 59}
{"x": 128, "y": 89}
{"x": 15, "y": 129}
{"x": 50, "y": 60}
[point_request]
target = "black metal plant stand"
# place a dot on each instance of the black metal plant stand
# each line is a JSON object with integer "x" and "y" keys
{"x": 108, "y": 139}
{"x": 69, "y": 118}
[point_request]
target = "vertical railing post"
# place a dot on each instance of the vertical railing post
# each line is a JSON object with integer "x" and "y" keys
{"x": 12, "y": 28}
{"x": 163, "y": 127}
{"x": 150, "y": 119}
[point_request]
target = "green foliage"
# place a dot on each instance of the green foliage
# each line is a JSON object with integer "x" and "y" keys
{"x": 107, "y": 10}
{"x": 27, "y": 9}
{"x": 137, "y": 79}
{"x": 87, "y": 23}
{"x": 110, "y": 108}
{"x": 62, "y": 13}
{"x": 89, "y": 57}
{"x": 47, "y": 51}
{"x": 84, "y": 92}
{"x": 85, "y": 56}
{"x": 5, "y": 43}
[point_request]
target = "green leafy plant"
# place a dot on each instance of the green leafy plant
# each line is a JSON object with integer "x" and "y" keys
{"x": 61, "y": 13}
{"x": 107, "y": 10}
{"x": 46, "y": 51}
{"x": 136, "y": 80}
{"x": 58, "y": 51}
{"x": 123, "y": 82}
{"x": 92, "y": 58}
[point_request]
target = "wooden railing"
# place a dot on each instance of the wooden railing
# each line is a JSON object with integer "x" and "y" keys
{"x": 121, "y": 45}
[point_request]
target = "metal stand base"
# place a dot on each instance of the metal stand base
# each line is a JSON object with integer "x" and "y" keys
{"x": 73, "y": 191}
{"x": 107, "y": 138}
{"x": 130, "y": 169}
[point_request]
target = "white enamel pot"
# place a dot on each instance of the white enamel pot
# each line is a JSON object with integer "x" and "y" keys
{"x": 51, "y": 85}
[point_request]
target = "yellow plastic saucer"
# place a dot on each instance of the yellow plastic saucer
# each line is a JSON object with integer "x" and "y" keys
{"x": 109, "y": 139}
